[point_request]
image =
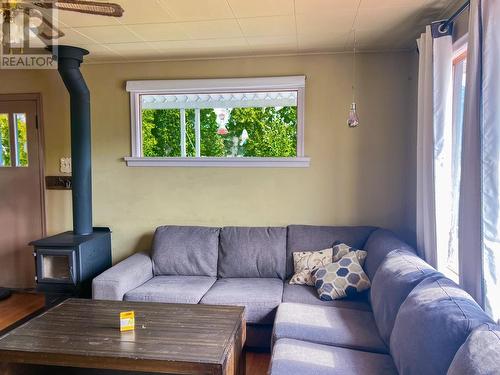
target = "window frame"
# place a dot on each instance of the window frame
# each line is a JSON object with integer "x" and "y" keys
{"x": 206, "y": 86}
{"x": 450, "y": 269}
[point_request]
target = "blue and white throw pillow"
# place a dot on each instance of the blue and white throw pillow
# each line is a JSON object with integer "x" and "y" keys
{"x": 341, "y": 249}
{"x": 340, "y": 279}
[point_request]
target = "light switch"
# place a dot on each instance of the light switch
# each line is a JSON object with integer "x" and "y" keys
{"x": 65, "y": 165}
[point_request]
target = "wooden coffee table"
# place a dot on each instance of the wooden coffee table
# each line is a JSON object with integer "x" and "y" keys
{"x": 168, "y": 339}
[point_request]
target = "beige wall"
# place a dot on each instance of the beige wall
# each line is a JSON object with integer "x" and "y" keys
{"x": 357, "y": 176}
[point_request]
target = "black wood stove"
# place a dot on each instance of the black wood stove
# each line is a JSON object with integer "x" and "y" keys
{"x": 66, "y": 263}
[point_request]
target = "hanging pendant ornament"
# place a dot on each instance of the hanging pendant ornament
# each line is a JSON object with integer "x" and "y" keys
{"x": 222, "y": 119}
{"x": 353, "y": 118}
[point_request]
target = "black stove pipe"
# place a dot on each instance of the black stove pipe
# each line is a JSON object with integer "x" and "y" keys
{"x": 69, "y": 60}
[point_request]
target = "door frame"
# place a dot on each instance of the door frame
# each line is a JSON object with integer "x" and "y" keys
{"x": 36, "y": 97}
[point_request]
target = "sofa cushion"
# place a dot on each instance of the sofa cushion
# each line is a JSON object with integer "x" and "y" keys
{"x": 381, "y": 243}
{"x": 396, "y": 277}
{"x": 172, "y": 289}
{"x": 304, "y": 262}
{"x": 260, "y": 297}
{"x": 432, "y": 323}
{"x": 316, "y": 238}
{"x": 480, "y": 354}
{"x": 341, "y": 279}
{"x": 185, "y": 250}
{"x": 335, "y": 326}
{"x": 294, "y": 357}
{"x": 308, "y": 295}
{"x": 252, "y": 252}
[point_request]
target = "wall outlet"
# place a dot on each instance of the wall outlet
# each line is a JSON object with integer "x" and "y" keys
{"x": 65, "y": 165}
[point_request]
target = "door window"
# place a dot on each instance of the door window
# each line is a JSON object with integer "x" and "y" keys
{"x": 21, "y": 139}
{"x": 13, "y": 140}
{"x": 4, "y": 140}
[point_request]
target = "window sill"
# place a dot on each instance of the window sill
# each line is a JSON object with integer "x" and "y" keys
{"x": 298, "y": 162}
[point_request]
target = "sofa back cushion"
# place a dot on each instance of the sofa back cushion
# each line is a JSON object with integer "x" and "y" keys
{"x": 252, "y": 252}
{"x": 185, "y": 250}
{"x": 396, "y": 277}
{"x": 315, "y": 238}
{"x": 480, "y": 354}
{"x": 381, "y": 243}
{"x": 432, "y": 323}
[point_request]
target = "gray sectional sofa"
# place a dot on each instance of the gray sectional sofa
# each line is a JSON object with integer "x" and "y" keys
{"x": 413, "y": 320}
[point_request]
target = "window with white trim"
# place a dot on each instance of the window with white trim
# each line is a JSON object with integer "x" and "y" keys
{"x": 448, "y": 205}
{"x": 218, "y": 122}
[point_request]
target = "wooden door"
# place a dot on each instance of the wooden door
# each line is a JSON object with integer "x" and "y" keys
{"x": 21, "y": 190}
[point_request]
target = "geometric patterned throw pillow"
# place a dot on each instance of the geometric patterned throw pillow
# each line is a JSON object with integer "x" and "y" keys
{"x": 304, "y": 262}
{"x": 340, "y": 279}
{"x": 341, "y": 249}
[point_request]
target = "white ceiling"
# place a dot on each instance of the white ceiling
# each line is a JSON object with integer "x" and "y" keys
{"x": 165, "y": 29}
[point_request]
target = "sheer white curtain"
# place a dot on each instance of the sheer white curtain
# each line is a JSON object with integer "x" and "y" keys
{"x": 479, "y": 224}
{"x": 434, "y": 143}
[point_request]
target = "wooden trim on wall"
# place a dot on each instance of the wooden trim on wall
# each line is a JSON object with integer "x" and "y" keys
{"x": 36, "y": 97}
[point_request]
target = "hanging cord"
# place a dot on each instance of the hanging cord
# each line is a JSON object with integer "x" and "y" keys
{"x": 354, "y": 68}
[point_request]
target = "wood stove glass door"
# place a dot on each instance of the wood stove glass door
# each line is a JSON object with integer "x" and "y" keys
{"x": 56, "y": 266}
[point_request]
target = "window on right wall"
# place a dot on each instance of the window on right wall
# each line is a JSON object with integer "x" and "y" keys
{"x": 459, "y": 75}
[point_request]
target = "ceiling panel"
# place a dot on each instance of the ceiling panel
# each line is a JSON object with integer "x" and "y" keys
{"x": 392, "y": 3}
{"x": 381, "y": 19}
{"x": 202, "y": 48}
{"x": 268, "y": 26}
{"x": 266, "y": 44}
{"x": 222, "y": 29}
{"x": 145, "y": 11}
{"x": 319, "y": 24}
{"x": 133, "y": 50}
{"x": 261, "y": 8}
{"x": 190, "y": 10}
{"x": 109, "y": 34}
{"x": 160, "y": 29}
{"x": 324, "y": 6}
{"x": 73, "y": 37}
{"x": 99, "y": 52}
{"x": 327, "y": 42}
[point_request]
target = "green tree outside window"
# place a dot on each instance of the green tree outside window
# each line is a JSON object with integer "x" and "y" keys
{"x": 4, "y": 140}
{"x": 22, "y": 140}
{"x": 272, "y": 132}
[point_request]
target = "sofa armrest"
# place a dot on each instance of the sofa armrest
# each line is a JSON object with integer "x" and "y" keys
{"x": 123, "y": 277}
{"x": 380, "y": 243}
